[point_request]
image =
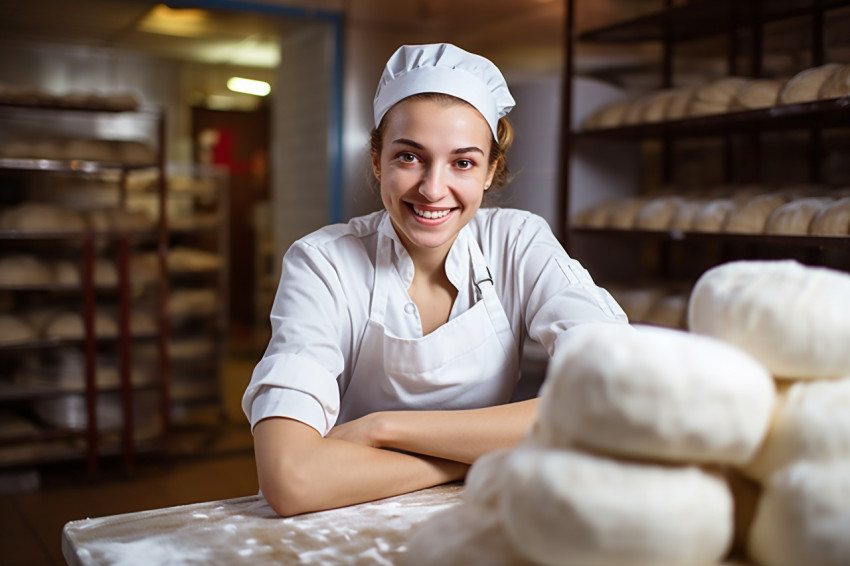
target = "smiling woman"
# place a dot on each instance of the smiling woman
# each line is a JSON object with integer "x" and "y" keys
{"x": 397, "y": 337}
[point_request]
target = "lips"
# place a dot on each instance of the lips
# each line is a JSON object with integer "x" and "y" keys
{"x": 431, "y": 214}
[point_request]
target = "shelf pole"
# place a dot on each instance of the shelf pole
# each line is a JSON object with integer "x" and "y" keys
{"x": 162, "y": 304}
{"x": 667, "y": 82}
{"x": 128, "y": 438}
{"x": 563, "y": 200}
{"x": 91, "y": 354}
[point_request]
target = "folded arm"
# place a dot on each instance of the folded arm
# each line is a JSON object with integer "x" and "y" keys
{"x": 299, "y": 471}
{"x": 461, "y": 435}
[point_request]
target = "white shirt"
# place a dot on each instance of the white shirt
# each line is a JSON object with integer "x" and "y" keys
{"x": 322, "y": 304}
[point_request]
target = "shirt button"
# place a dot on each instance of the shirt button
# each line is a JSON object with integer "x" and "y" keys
{"x": 410, "y": 308}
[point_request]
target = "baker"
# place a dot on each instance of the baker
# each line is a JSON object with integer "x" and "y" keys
{"x": 396, "y": 338}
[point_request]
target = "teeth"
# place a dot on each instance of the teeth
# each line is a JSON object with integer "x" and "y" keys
{"x": 431, "y": 214}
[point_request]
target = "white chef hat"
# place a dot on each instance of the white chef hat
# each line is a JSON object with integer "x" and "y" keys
{"x": 446, "y": 69}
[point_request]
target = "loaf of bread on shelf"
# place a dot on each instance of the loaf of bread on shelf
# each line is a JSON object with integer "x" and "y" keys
{"x": 656, "y": 393}
{"x": 621, "y": 214}
{"x": 41, "y": 217}
{"x": 837, "y": 84}
{"x": 609, "y": 116}
{"x": 679, "y": 102}
{"x": 750, "y": 216}
{"x": 791, "y": 317}
{"x": 758, "y": 93}
{"x": 655, "y": 109}
{"x": 716, "y": 96}
{"x": 683, "y": 218}
{"x": 24, "y": 270}
{"x": 657, "y": 213}
{"x": 802, "y": 516}
{"x": 89, "y": 150}
{"x": 186, "y": 259}
{"x": 712, "y": 215}
{"x": 795, "y": 217}
{"x": 594, "y": 216}
{"x": 69, "y": 325}
{"x": 572, "y": 508}
{"x": 188, "y": 302}
{"x": 15, "y": 330}
{"x": 805, "y": 86}
{"x": 121, "y": 219}
{"x": 833, "y": 220}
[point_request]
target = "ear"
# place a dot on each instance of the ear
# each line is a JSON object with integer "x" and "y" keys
{"x": 376, "y": 165}
{"x": 490, "y": 175}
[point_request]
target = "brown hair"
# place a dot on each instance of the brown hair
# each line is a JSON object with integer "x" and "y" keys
{"x": 498, "y": 149}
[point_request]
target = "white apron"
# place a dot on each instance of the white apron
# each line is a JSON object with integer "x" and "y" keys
{"x": 469, "y": 362}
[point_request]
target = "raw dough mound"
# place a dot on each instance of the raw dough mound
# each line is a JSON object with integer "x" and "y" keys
{"x": 483, "y": 481}
{"x": 758, "y": 93}
{"x": 751, "y": 216}
{"x": 791, "y": 317}
{"x": 716, "y": 97}
{"x": 837, "y": 85}
{"x": 656, "y": 393}
{"x": 712, "y": 215}
{"x": 796, "y": 216}
{"x": 609, "y": 116}
{"x": 655, "y": 110}
{"x": 15, "y": 330}
{"x": 803, "y": 517}
{"x": 683, "y": 218}
{"x": 657, "y": 213}
{"x": 568, "y": 508}
{"x": 24, "y": 271}
{"x": 834, "y": 220}
{"x": 811, "y": 422}
{"x": 805, "y": 86}
{"x": 621, "y": 215}
{"x": 464, "y": 535}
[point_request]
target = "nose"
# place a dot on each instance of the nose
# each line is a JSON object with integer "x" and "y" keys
{"x": 433, "y": 186}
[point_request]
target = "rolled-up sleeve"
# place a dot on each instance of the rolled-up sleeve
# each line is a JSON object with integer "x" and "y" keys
{"x": 557, "y": 291}
{"x": 297, "y": 376}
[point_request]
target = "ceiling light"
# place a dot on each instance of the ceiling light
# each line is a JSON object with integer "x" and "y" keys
{"x": 249, "y": 86}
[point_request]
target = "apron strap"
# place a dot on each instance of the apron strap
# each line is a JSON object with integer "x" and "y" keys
{"x": 485, "y": 290}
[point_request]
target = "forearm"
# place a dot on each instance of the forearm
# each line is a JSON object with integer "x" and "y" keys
{"x": 314, "y": 473}
{"x": 462, "y": 435}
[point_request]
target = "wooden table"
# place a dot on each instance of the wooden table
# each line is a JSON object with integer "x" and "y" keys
{"x": 246, "y": 531}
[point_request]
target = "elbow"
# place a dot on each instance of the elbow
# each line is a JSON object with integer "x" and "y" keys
{"x": 289, "y": 491}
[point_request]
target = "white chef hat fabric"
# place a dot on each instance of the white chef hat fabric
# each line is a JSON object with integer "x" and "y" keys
{"x": 446, "y": 69}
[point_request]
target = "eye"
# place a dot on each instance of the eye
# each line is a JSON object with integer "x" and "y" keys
{"x": 464, "y": 164}
{"x": 407, "y": 157}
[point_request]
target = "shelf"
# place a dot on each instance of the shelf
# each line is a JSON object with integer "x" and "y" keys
{"x": 832, "y": 113}
{"x": 100, "y": 235}
{"x": 65, "y": 166}
{"x": 26, "y": 393}
{"x": 703, "y": 18}
{"x": 820, "y": 242}
{"x": 57, "y": 342}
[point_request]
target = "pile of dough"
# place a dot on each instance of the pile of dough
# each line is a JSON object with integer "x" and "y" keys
{"x": 837, "y": 84}
{"x": 657, "y": 214}
{"x": 712, "y": 215}
{"x": 69, "y": 325}
{"x": 757, "y": 93}
{"x": 750, "y": 217}
{"x": 803, "y": 516}
{"x": 565, "y": 508}
{"x": 716, "y": 96}
{"x": 796, "y": 216}
{"x": 811, "y": 423}
{"x": 69, "y": 273}
{"x": 656, "y": 393}
{"x": 185, "y": 259}
{"x": 24, "y": 271}
{"x": 621, "y": 215}
{"x": 192, "y": 302}
{"x": 791, "y": 317}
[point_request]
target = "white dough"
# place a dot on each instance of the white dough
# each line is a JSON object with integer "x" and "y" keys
{"x": 621, "y": 215}
{"x": 811, "y": 422}
{"x": 758, "y": 93}
{"x": 805, "y": 86}
{"x": 791, "y": 317}
{"x": 683, "y": 218}
{"x": 837, "y": 84}
{"x": 803, "y": 517}
{"x": 711, "y": 216}
{"x": 484, "y": 481}
{"x": 568, "y": 508}
{"x": 795, "y": 217}
{"x": 656, "y": 393}
{"x": 657, "y": 213}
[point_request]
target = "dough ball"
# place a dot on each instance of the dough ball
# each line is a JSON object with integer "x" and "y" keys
{"x": 634, "y": 110}
{"x": 658, "y": 213}
{"x": 15, "y": 330}
{"x": 832, "y": 220}
{"x": 655, "y": 109}
{"x": 758, "y": 93}
{"x": 595, "y": 216}
{"x": 670, "y": 311}
{"x": 24, "y": 271}
{"x": 751, "y": 216}
{"x": 567, "y": 508}
{"x": 483, "y": 481}
{"x": 464, "y": 535}
{"x": 805, "y": 86}
{"x": 712, "y": 215}
{"x": 621, "y": 215}
{"x": 656, "y": 393}
{"x": 837, "y": 84}
{"x": 811, "y": 422}
{"x": 791, "y": 317}
{"x": 677, "y": 106}
{"x": 795, "y": 217}
{"x": 804, "y": 517}
{"x": 683, "y": 218}
{"x": 716, "y": 96}
{"x": 609, "y": 116}
{"x": 68, "y": 325}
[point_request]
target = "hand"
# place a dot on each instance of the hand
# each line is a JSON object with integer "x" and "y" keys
{"x": 365, "y": 430}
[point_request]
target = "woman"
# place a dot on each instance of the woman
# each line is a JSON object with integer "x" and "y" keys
{"x": 397, "y": 337}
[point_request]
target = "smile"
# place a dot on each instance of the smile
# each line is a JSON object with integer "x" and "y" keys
{"x": 431, "y": 214}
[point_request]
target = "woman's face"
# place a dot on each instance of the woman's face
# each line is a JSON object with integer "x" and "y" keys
{"x": 433, "y": 171}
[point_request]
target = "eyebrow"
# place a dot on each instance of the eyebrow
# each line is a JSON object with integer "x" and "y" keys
{"x": 458, "y": 151}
